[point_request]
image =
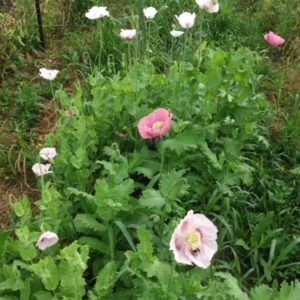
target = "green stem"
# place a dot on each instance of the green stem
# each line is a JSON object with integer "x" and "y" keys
{"x": 171, "y": 275}
{"x": 200, "y": 41}
{"x": 52, "y": 92}
{"x": 111, "y": 240}
{"x": 101, "y": 44}
{"x": 162, "y": 156}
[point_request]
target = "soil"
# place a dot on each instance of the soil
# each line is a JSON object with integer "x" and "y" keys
{"x": 10, "y": 192}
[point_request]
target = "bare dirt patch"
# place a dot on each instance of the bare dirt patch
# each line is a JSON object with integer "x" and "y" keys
{"x": 10, "y": 192}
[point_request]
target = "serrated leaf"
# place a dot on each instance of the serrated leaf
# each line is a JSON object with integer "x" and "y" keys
{"x": 47, "y": 271}
{"x": 22, "y": 207}
{"x": 152, "y": 199}
{"x": 211, "y": 157}
{"x": 94, "y": 244}
{"x": 261, "y": 292}
{"x": 71, "y": 268}
{"x": 289, "y": 292}
{"x": 172, "y": 185}
{"x": 296, "y": 171}
{"x": 233, "y": 288}
{"x": 105, "y": 280}
{"x": 145, "y": 171}
{"x": 87, "y": 223}
{"x": 145, "y": 245}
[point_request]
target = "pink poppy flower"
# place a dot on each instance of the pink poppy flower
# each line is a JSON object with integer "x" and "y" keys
{"x": 46, "y": 240}
{"x": 273, "y": 39}
{"x": 194, "y": 240}
{"x": 155, "y": 124}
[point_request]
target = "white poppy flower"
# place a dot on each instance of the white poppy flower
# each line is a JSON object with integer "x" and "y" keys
{"x": 176, "y": 33}
{"x": 150, "y": 12}
{"x": 46, "y": 240}
{"x": 48, "y": 74}
{"x": 186, "y": 20}
{"x": 41, "y": 169}
{"x": 127, "y": 34}
{"x": 48, "y": 153}
{"x": 211, "y": 6}
{"x": 97, "y": 12}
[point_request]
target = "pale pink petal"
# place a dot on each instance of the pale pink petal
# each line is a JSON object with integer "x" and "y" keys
{"x": 194, "y": 240}
{"x": 46, "y": 240}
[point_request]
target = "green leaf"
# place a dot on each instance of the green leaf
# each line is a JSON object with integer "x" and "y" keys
{"x": 126, "y": 234}
{"x": 22, "y": 208}
{"x": 106, "y": 280}
{"x": 145, "y": 245}
{"x": 94, "y": 243}
{"x": 87, "y": 223}
{"x": 172, "y": 185}
{"x": 296, "y": 171}
{"x": 152, "y": 199}
{"x": 145, "y": 171}
{"x": 26, "y": 248}
{"x": 233, "y": 288}
{"x": 71, "y": 268}
{"x": 3, "y": 237}
{"x": 42, "y": 295}
{"x": 289, "y": 292}
{"x": 47, "y": 271}
{"x": 261, "y": 292}
{"x": 211, "y": 157}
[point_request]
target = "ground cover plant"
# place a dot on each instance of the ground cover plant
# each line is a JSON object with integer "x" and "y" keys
{"x": 162, "y": 179}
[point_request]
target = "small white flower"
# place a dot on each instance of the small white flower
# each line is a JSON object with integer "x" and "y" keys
{"x": 150, "y": 12}
{"x": 97, "y": 12}
{"x": 48, "y": 74}
{"x": 127, "y": 34}
{"x": 186, "y": 20}
{"x": 48, "y": 153}
{"x": 46, "y": 240}
{"x": 211, "y": 6}
{"x": 229, "y": 120}
{"x": 41, "y": 169}
{"x": 176, "y": 33}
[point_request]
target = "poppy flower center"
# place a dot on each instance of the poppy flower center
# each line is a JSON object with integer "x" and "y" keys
{"x": 158, "y": 125}
{"x": 194, "y": 240}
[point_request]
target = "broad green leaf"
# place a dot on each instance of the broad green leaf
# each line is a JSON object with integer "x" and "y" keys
{"x": 106, "y": 280}
{"x": 71, "y": 269}
{"x": 152, "y": 199}
{"x": 47, "y": 271}
{"x": 3, "y": 237}
{"x": 211, "y": 157}
{"x": 88, "y": 223}
{"x": 233, "y": 288}
{"x": 145, "y": 245}
{"x": 22, "y": 208}
{"x": 94, "y": 244}
{"x": 261, "y": 292}
{"x": 173, "y": 185}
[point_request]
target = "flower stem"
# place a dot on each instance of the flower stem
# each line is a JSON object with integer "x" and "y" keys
{"x": 171, "y": 275}
{"x": 162, "y": 156}
{"x": 52, "y": 92}
{"x": 200, "y": 42}
{"x": 101, "y": 44}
